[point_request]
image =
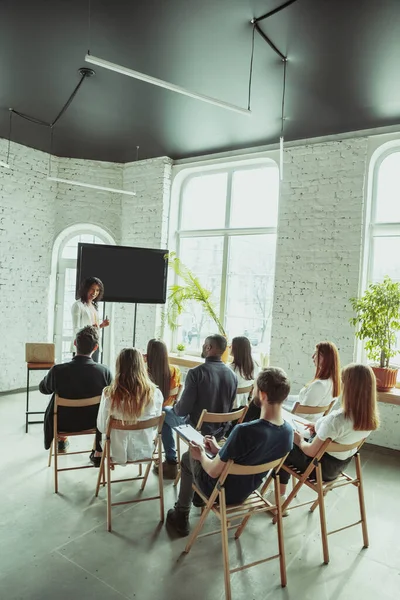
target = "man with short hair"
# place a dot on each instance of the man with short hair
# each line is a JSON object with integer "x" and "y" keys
{"x": 80, "y": 378}
{"x": 254, "y": 443}
{"x": 211, "y": 386}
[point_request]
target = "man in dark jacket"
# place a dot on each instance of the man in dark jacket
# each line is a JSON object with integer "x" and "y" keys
{"x": 211, "y": 386}
{"x": 80, "y": 378}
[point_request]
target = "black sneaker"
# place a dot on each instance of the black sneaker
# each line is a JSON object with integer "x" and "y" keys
{"x": 62, "y": 446}
{"x": 179, "y": 520}
{"x": 95, "y": 460}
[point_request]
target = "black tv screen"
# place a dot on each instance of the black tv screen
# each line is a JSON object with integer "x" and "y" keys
{"x": 128, "y": 274}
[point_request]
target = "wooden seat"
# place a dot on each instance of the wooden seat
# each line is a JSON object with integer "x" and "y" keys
{"x": 241, "y": 513}
{"x": 75, "y": 404}
{"x": 315, "y": 482}
{"x": 245, "y": 390}
{"x": 208, "y": 417}
{"x": 38, "y": 357}
{"x": 106, "y": 459}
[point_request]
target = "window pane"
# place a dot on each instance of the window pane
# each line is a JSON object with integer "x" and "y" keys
{"x": 204, "y": 201}
{"x": 204, "y": 257}
{"x": 255, "y": 194}
{"x": 386, "y": 258}
{"x": 387, "y": 191}
{"x": 250, "y": 288}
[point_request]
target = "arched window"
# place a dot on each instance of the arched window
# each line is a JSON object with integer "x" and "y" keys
{"x": 64, "y": 267}
{"x": 227, "y": 235}
{"x": 384, "y": 227}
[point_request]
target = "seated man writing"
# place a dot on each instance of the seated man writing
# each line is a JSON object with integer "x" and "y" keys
{"x": 211, "y": 386}
{"x": 254, "y": 443}
{"x": 80, "y": 378}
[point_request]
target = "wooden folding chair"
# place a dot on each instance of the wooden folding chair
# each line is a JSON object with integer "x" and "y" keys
{"x": 303, "y": 409}
{"x": 316, "y": 483}
{"x": 241, "y": 513}
{"x": 75, "y": 404}
{"x": 114, "y": 424}
{"x": 207, "y": 417}
{"x": 245, "y": 390}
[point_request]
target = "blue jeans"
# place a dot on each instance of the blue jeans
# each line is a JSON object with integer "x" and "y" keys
{"x": 167, "y": 434}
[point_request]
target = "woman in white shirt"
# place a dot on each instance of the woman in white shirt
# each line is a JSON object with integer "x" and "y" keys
{"x": 325, "y": 386}
{"x": 244, "y": 367}
{"x": 132, "y": 397}
{"x": 355, "y": 420}
{"x": 85, "y": 310}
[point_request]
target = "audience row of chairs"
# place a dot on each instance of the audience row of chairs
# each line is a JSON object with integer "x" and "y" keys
{"x": 230, "y": 517}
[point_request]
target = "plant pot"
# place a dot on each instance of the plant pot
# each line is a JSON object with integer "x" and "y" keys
{"x": 386, "y": 378}
{"x": 180, "y": 352}
{"x": 225, "y": 355}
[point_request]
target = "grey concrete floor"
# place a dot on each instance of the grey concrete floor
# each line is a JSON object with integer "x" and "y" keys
{"x": 57, "y": 546}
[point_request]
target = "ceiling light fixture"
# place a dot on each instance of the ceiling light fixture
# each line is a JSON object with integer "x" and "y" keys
{"x": 100, "y": 62}
{"x": 4, "y": 164}
{"x": 90, "y": 185}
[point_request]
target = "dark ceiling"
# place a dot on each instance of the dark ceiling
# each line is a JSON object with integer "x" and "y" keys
{"x": 342, "y": 75}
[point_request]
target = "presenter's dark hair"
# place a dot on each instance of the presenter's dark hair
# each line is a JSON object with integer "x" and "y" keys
{"x": 218, "y": 342}
{"x": 85, "y": 287}
{"x": 242, "y": 359}
{"x": 158, "y": 366}
{"x": 87, "y": 339}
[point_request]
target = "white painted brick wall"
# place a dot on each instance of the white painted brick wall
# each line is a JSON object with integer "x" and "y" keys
{"x": 318, "y": 253}
{"x": 26, "y": 237}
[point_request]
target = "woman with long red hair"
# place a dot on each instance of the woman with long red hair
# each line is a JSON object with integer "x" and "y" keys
{"x": 325, "y": 386}
{"x": 132, "y": 397}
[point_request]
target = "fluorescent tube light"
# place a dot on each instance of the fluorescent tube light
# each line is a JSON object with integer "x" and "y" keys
{"x": 91, "y": 186}
{"x": 4, "y": 164}
{"x": 93, "y": 60}
{"x": 281, "y": 156}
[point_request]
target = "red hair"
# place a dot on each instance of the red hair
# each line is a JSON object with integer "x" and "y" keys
{"x": 328, "y": 365}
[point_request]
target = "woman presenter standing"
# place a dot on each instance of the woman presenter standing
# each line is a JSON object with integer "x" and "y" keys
{"x": 85, "y": 310}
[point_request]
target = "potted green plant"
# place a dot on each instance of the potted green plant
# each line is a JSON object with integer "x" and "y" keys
{"x": 378, "y": 320}
{"x": 188, "y": 288}
{"x": 181, "y": 349}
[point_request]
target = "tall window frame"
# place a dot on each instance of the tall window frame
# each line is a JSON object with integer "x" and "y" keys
{"x": 380, "y": 231}
{"x": 227, "y": 232}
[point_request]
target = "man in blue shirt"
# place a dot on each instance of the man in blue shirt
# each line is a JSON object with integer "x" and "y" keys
{"x": 264, "y": 440}
{"x": 211, "y": 386}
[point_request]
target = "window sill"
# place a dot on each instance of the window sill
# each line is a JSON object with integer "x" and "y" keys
{"x": 186, "y": 361}
{"x": 392, "y": 397}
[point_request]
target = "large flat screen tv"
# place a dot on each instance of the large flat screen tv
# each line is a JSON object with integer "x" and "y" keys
{"x": 137, "y": 275}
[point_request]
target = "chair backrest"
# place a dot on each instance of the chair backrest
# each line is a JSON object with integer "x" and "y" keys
{"x": 303, "y": 409}
{"x": 335, "y": 447}
{"x": 208, "y": 417}
{"x": 245, "y": 390}
{"x": 39, "y": 353}
{"x": 138, "y": 426}
{"x": 81, "y": 403}
{"x": 235, "y": 469}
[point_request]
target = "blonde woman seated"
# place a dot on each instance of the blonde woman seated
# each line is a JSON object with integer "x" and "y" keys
{"x": 132, "y": 397}
{"x": 244, "y": 367}
{"x": 325, "y": 386}
{"x": 355, "y": 420}
{"x": 167, "y": 377}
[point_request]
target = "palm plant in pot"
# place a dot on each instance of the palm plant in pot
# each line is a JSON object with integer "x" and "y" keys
{"x": 378, "y": 320}
{"x": 188, "y": 289}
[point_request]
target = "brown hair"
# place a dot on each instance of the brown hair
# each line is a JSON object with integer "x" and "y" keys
{"x": 329, "y": 366}
{"x": 158, "y": 365}
{"x": 274, "y": 382}
{"x": 85, "y": 287}
{"x": 242, "y": 359}
{"x": 359, "y": 397}
{"x": 87, "y": 339}
{"x": 131, "y": 390}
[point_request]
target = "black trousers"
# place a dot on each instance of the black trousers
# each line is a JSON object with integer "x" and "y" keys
{"x": 331, "y": 466}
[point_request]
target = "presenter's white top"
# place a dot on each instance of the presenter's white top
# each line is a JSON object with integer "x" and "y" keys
{"x": 316, "y": 393}
{"x": 83, "y": 315}
{"x": 130, "y": 445}
{"x": 340, "y": 430}
{"x": 242, "y": 399}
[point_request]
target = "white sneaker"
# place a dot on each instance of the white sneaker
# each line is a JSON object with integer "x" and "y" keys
{"x": 270, "y": 497}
